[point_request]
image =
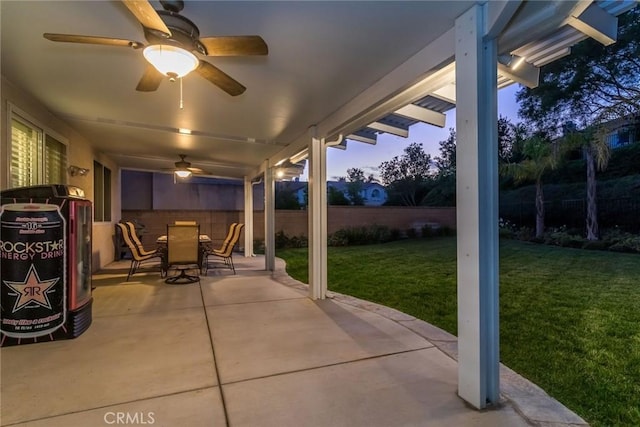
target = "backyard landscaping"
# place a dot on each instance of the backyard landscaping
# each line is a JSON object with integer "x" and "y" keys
{"x": 569, "y": 318}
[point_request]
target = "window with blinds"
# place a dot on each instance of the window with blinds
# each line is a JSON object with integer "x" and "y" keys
{"x": 55, "y": 159}
{"x": 25, "y": 145}
{"x": 36, "y": 156}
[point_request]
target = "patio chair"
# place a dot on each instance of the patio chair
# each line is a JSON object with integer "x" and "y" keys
{"x": 137, "y": 258}
{"x": 137, "y": 241}
{"x": 183, "y": 253}
{"x": 227, "y": 253}
{"x": 222, "y": 248}
{"x": 230, "y": 233}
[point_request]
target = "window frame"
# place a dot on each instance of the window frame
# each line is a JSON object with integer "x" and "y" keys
{"x": 101, "y": 185}
{"x": 19, "y": 115}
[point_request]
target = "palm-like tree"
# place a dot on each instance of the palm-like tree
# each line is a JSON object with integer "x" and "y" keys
{"x": 539, "y": 156}
{"x": 597, "y": 153}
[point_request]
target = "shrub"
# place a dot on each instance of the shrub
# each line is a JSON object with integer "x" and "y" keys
{"x": 364, "y": 235}
{"x": 447, "y": 231}
{"x": 282, "y": 241}
{"x": 339, "y": 238}
{"x": 258, "y": 246}
{"x": 430, "y": 230}
{"x": 505, "y": 233}
{"x": 598, "y": 245}
{"x": 614, "y": 239}
{"x": 524, "y": 233}
{"x": 395, "y": 234}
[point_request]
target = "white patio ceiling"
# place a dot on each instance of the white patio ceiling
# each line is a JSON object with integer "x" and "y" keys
{"x": 339, "y": 66}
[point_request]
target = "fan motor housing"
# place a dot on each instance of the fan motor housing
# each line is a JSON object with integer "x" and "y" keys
{"x": 184, "y": 33}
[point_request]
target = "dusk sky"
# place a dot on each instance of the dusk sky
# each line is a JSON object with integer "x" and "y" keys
{"x": 368, "y": 157}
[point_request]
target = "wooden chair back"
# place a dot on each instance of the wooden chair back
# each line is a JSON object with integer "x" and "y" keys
{"x": 234, "y": 240}
{"x": 134, "y": 236}
{"x": 183, "y": 244}
{"x": 128, "y": 239}
{"x": 232, "y": 229}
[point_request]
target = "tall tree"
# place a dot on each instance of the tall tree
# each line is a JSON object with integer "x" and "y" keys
{"x": 539, "y": 156}
{"x": 355, "y": 184}
{"x": 593, "y": 86}
{"x": 406, "y": 176}
{"x": 508, "y": 134}
{"x": 589, "y": 84}
{"x": 597, "y": 153}
{"x": 285, "y": 197}
{"x": 446, "y": 162}
{"x": 336, "y": 197}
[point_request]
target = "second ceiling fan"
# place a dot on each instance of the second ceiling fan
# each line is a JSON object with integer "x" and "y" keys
{"x": 174, "y": 41}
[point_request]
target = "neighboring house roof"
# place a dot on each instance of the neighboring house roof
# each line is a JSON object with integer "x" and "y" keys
{"x": 374, "y": 194}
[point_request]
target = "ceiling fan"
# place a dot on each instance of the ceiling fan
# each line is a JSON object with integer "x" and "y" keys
{"x": 173, "y": 42}
{"x": 183, "y": 168}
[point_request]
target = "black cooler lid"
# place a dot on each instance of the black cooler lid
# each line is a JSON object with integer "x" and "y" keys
{"x": 43, "y": 191}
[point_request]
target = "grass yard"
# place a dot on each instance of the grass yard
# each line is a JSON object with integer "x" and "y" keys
{"x": 569, "y": 318}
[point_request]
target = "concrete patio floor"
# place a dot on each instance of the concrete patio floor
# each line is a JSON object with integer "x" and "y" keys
{"x": 249, "y": 350}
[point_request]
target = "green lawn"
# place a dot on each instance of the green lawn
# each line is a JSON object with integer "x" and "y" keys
{"x": 569, "y": 318}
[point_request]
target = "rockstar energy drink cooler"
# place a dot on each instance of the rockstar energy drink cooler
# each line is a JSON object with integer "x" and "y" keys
{"x": 32, "y": 269}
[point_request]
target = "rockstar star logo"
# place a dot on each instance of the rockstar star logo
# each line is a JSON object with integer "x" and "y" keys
{"x": 31, "y": 290}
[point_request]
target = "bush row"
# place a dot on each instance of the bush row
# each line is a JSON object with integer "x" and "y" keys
{"x": 364, "y": 235}
{"x": 614, "y": 239}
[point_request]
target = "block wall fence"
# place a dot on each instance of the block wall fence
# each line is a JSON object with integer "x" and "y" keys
{"x": 215, "y": 223}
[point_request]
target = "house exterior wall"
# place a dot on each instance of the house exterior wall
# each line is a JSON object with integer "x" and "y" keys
{"x": 215, "y": 223}
{"x": 79, "y": 153}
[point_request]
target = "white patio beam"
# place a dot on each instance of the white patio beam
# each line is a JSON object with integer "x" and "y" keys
{"x": 269, "y": 220}
{"x": 477, "y": 210}
{"x": 535, "y": 26}
{"x": 361, "y": 138}
{"x": 425, "y": 115}
{"x": 499, "y": 14}
{"x": 446, "y": 93}
{"x": 248, "y": 217}
{"x": 523, "y": 73}
{"x": 317, "y": 212}
{"x": 596, "y": 23}
{"x": 383, "y": 127}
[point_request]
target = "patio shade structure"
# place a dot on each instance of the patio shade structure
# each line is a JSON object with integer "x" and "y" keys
{"x": 336, "y": 73}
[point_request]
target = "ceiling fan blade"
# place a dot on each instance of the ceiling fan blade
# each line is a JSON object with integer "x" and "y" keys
{"x": 235, "y": 45}
{"x": 150, "y": 80}
{"x": 73, "y": 38}
{"x": 197, "y": 171}
{"x": 146, "y": 15}
{"x": 220, "y": 79}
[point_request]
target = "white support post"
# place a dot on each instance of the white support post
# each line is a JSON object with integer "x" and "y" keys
{"x": 248, "y": 217}
{"x": 269, "y": 220}
{"x": 477, "y": 210}
{"x": 317, "y": 211}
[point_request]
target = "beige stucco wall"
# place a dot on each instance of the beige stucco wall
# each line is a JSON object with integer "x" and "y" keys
{"x": 79, "y": 153}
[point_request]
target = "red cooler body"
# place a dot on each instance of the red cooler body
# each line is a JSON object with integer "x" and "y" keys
{"x": 45, "y": 264}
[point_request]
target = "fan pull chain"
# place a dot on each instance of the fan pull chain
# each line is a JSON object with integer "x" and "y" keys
{"x": 181, "y": 103}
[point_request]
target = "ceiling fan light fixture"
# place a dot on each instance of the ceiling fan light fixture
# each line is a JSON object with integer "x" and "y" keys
{"x": 172, "y": 61}
{"x": 183, "y": 173}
